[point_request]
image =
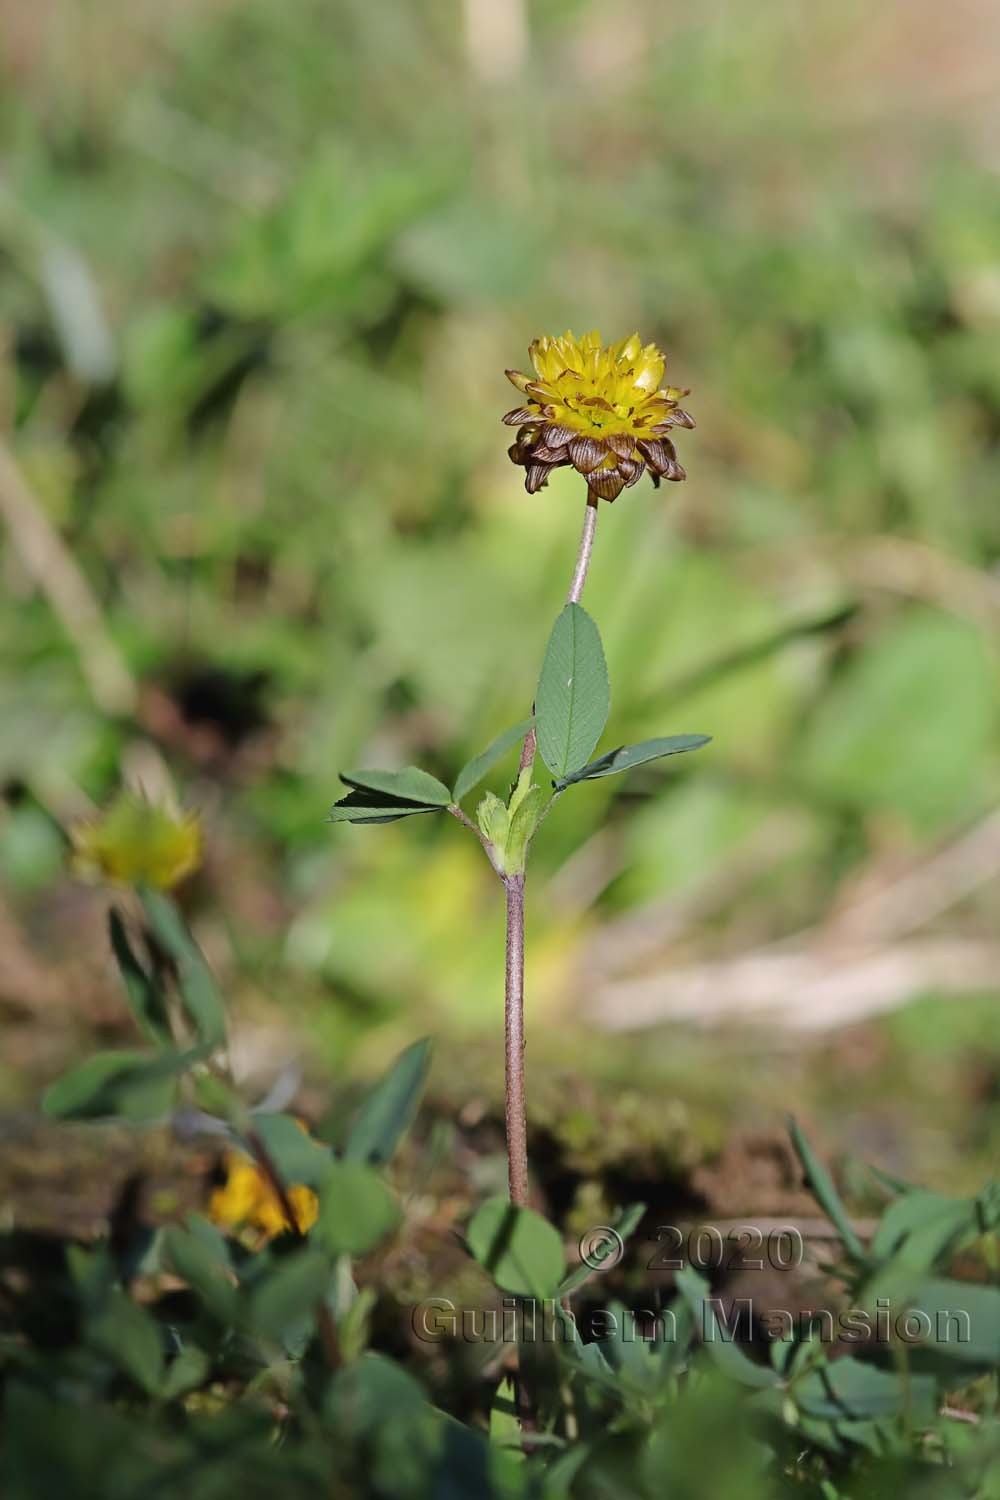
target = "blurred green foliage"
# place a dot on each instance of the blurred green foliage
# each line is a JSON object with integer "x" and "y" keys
{"x": 262, "y": 268}
{"x": 186, "y": 1353}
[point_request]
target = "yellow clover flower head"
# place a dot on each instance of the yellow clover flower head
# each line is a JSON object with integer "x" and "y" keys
{"x": 136, "y": 842}
{"x": 246, "y": 1200}
{"x": 601, "y": 410}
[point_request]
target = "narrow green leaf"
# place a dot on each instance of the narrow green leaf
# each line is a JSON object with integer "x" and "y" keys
{"x": 719, "y": 1346}
{"x": 628, "y": 756}
{"x": 635, "y": 1361}
{"x": 573, "y": 698}
{"x": 357, "y": 1210}
{"x": 87, "y": 1091}
{"x": 410, "y": 785}
{"x": 481, "y": 765}
{"x": 851, "y": 1389}
{"x": 890, "y": 1183}
{"x": 963, "y": 1319}
{"x": 185, "y": 1373}
{"x": 372, "y": 807}
{"x": 93, "y": 1274}
{"x": 145, "y": 996}
{"x": 675, "y": 1350}
{"x": 505, "y": 1428}
{"x": 205, "y": 1270}
{"x": 371, "y": 1396}
{"x": 216, "y": 1096}
{"x": 820, "y": 1184}
{"x": 211, "y": 1237}
{"x": 354, "y": 1323}
{"x": 299, "y": 1158}
{"x": 623, "y": 1227}
{"x": 134, "y": 1085}
{"x": 387, "y": 1112}
{"x": 130, "y": 1337}
{"x": 195, "y": 983}
{"x": 917, "y": 1228}
{"x": 595, "y": 1365}
{"x": 521, "y": 1251}
{"x": 283, "y": 1304}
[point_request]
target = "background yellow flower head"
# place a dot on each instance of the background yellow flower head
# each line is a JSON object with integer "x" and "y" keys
{"x": 599, "y": 409}
{"x": 136, "y": 842}
{"x": 247, "y": 1200}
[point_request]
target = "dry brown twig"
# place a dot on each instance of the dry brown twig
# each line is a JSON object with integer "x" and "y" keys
{"x": 55, "y": 572}
{"x": 864, "y": 960}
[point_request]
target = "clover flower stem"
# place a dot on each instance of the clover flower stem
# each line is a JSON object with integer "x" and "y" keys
{"x": 517, "y": 1133}
{"x": 517, "y": 1129}
{"x": 514, "y": 1092}
{"x": 586, "y": 548}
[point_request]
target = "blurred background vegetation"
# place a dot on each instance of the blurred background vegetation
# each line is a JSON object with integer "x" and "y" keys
{"x": 261, "y": 269}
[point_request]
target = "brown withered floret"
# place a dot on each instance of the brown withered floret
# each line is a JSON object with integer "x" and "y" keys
{"x": 599, "y": 410}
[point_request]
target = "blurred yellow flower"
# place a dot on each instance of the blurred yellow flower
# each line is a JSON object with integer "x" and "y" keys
{"x": 601, "y": 410}
{"x": 135, "y": 842}
{"x": 247, "y": 1200}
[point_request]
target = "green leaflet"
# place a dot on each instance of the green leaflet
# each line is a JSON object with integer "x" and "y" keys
{"x": 126, "y": 1334}
{"x": 573, "y": 698}
{"x": 918, "y": 1227}
{"x": 607, "y": 1249}
{"x": 145, "y": 994}
{"x": 135, "y": 1085}
{"x": 481, "y": 765}
{"x": 357, "y": 1210}
{"x": 283, "y": 1302}
{"x": 852, "y": 1390}
{"x": 410, "y": 785}
{"x": 962, "y": 1320}
{"x": 204, "y": 1264}
{"x": 626, "y": 757}
{"x": 386, "y": 1113}
{"x": 521, "y": 1251}
{"x": 298, "y": 1156}
{"x": 385, "y": 796}
{"x": 718, "y": 1344}
{"x": 820, "y": 1184}
{"x": 369, "y": 807}
{"x": 195, "y": 983}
